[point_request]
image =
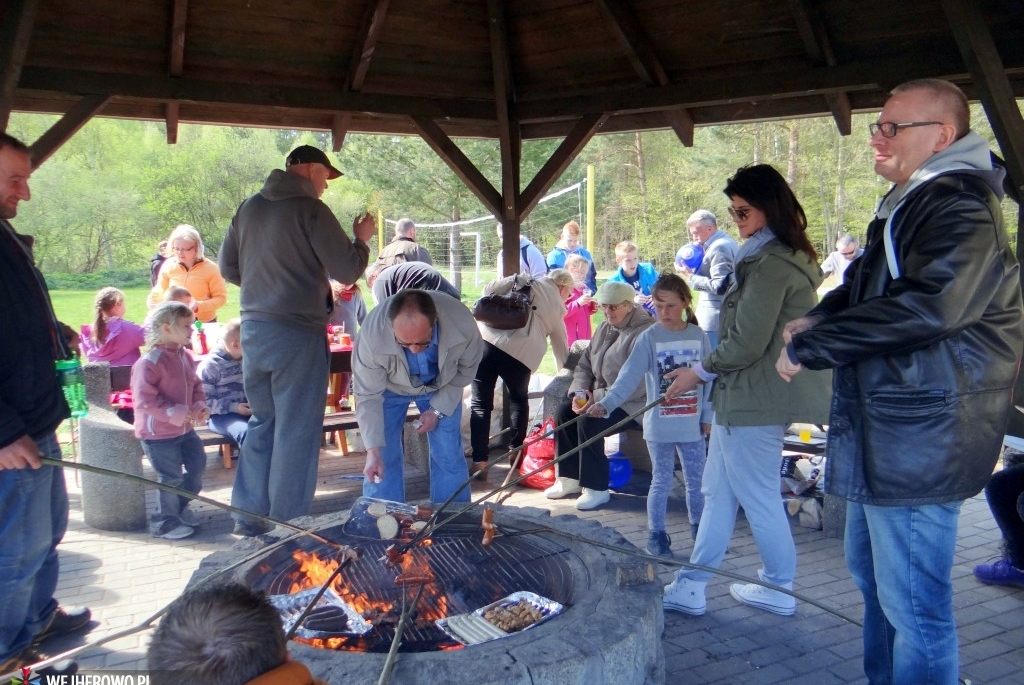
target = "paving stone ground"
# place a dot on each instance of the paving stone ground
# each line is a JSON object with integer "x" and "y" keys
{"x": 126, "y": 578}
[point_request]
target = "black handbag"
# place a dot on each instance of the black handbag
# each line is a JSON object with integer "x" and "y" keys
{"x": 505, "y": 312}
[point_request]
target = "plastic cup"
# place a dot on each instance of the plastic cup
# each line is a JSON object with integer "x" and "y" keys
{"x": 805, "y": 435}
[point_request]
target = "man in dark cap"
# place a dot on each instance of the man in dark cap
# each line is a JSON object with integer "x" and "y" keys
{"x": 282, "y": 247}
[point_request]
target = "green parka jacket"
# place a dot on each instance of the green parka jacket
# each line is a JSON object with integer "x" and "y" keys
{"x": 766, "y": 291}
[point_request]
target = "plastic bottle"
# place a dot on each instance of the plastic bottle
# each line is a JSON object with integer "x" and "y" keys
{"x": 69, "y": 372}
{"x": 199, "y": 345}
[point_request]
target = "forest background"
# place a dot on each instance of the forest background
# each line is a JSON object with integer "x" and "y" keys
{"x": 103, "y": 201}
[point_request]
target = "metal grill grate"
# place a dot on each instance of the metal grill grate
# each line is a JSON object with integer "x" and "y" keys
{"x": 467, "y": 576}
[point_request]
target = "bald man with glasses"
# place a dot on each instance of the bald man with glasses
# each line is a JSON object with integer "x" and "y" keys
{"x": 924, "y": 340}
{"x": 421, "y": 347}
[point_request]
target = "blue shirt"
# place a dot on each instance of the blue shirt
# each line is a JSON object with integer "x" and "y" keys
{"x": 423, "y": 365}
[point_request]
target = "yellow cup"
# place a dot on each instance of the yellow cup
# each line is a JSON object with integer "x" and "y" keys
{"x": 805, "y": 435}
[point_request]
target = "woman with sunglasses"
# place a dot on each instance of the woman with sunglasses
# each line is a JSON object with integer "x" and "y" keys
{"x": 587, "y": 471}
{"x": 775, "y": 279}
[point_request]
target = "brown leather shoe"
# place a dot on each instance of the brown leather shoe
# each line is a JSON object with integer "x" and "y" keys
{"x": 477, "y": 470}
{"x": 64, "y": 622}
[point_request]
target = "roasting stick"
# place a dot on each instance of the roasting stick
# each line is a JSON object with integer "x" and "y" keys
{"x": 396, "y": 641}
{"x": 178, "y": 491}
{"x": 432, "y": 525}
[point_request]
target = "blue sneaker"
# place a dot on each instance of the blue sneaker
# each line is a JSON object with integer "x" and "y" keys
{"x": 1001, "y": 572}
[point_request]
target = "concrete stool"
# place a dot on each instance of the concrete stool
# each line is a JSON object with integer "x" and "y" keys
{"x": 108, "y": 442}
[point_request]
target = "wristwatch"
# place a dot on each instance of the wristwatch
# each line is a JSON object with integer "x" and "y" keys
{"x": 436, "y": 413}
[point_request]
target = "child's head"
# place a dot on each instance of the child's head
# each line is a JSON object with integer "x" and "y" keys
{"x": 177, "y": 293}
{"x": 109, "y": 302}
{"x": 170, "y": 324}
{"x": 232, "y": 338}
{"x": 672, "y": 297}
{"x": 627, "y": 256}
{"x": 578, "y": 266}
{"x": 571, "y": 235}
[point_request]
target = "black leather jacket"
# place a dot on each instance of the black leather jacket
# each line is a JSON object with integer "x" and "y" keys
{"x": 924, "y": 364}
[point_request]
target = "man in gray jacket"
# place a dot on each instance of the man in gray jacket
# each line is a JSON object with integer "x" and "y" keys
{"x": 403, "y": 247}
{"x": 282, "y": 246}
{"x": 712, "y": 276}
{"x": 423, "y": 347}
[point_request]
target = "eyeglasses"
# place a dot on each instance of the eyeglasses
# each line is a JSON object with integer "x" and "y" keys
{"x": 889, "y": 129}
{"x": 739, "y": 213}
{"x": 614, "y": 307}
{"x": 409, "y": 346}
{"x": 184, "y": 249}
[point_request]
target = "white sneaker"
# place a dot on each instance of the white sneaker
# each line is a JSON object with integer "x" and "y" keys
{"x": 188, "y": 517}
{"x": 563, "y": 487}
{"x": 685, "y": 595}
{"x": 179, "y": 532}
{"x": 592, "y": 499}
{"x": 761, "y": 597}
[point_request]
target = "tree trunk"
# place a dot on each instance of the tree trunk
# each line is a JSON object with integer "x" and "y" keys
{"x": 642, "y": 178}
{"x": 794, "y": 151}
{"x": 455, "y": 251}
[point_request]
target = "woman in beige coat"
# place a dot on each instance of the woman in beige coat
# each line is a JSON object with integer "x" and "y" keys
{"x": 514, "y": 355}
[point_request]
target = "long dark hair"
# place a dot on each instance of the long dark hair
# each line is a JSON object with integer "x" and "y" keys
{"x": 765, "y": 189}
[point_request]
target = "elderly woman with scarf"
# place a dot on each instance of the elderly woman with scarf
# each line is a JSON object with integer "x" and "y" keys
{"x": 587, "y": 471}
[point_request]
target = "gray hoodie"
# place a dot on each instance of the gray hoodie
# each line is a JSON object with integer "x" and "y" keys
{"x": 281, "y": 247}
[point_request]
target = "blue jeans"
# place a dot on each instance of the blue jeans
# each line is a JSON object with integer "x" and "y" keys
{"x": 692, "y": 457}
{"x": 33, "y": 519}
{"x": 743, "y": 471}
{"x": 285, "y": 374}
{"x": 168, "y": 458}
{"x": 901, "y": 558}
{"x": 232, "y": 425}
{"x": 448, "y": 470}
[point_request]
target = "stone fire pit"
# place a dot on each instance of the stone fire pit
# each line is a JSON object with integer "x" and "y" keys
{"x": 608, "y": 633}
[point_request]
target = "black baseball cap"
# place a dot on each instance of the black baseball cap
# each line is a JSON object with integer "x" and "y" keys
{"x": 307, "y": 154}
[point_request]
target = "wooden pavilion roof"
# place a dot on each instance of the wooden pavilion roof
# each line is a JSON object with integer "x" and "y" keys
{"x": 505, "y": 69}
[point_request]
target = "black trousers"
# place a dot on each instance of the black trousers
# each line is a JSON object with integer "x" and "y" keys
{"x": 495, "y": 364}
{"x": 1005, "y": 495}
{"x": 589, "y": 465}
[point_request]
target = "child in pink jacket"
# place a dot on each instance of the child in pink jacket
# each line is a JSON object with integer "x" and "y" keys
{"x": 169, "y": 402}
{"x": 580, "y": 306}
{"x": 111, "y": 338}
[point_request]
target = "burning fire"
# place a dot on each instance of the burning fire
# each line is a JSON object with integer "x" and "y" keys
{"x": 413, "y": 571}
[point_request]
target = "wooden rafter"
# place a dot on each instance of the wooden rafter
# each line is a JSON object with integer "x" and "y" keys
{"x": 457, "y": 161}
{"x": 176, "y": 64}
{"x": 819, "y": 49}
{"x": 172, "y": 117}
{"x": 641, "y": 55}
{"x": 359, "y": 64}
{"x": 560, "y": 160}
{"x": 14, "y": 39}
{"x": 58, "y": 134}
{"x": 509, "y": 136}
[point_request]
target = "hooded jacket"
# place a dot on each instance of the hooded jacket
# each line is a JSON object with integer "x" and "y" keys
{"x": 925, "y": 341}
{"x": 120, "y": 347}
{"x": 165, "y": 390}
{"x": 769, "y": 288}
{"x": 282, "y": 245}
{"x": 607, "y": 353}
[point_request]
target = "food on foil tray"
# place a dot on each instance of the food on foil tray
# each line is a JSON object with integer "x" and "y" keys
{"x": 514, "y": 617}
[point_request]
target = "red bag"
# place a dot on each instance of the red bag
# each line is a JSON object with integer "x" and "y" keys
{"x": 540, "y": 451}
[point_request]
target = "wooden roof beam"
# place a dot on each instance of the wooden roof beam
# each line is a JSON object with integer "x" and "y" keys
{"x": 637, "y": 46}
{"x": 819, "y": 49}
{"x": 15, "y": 34}
{"x": 989, "y": 75}
{"x": 559, "y": 161}
{"x": 366, "y": 44}
{"x": 510, "y": 139}
{"x": 457, "y": 161}
{"x": 65, "y": 127}
{"x": 172, "y": 117}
